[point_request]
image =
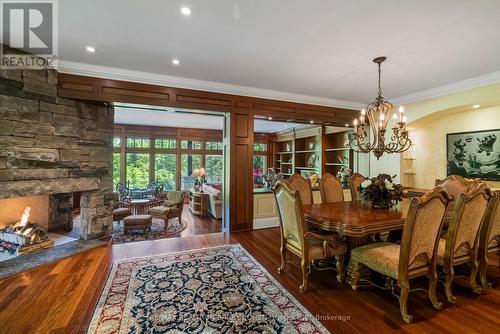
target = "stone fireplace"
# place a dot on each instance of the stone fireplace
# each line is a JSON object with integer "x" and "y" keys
{"x": 50, "y": 148}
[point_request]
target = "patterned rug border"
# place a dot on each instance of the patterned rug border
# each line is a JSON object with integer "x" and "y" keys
{"x": 106, "y": 289}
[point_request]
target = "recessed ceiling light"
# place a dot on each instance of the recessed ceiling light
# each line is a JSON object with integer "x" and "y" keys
{"x": 175, "y": 61}
{"x": 312, "y": 122}
{"x": 186, "y": 11}
{"x": 476, "y": 106}
{"x": 270, "y": 118}
{"x": 90, "y": 49}
{"x": 347, "y": 125}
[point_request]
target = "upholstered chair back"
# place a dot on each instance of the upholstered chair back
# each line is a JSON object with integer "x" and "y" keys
{"x": 178, "y": 197}
{"x": 291, "y": 215}
{"x": 331, "y": 189}
{"x": 492, "y": 222}
{"x": 354, "y": 183}
{"x": 303, "y": 186}
{"x": 422, "y": 228}
{"x": 468, "y": 215}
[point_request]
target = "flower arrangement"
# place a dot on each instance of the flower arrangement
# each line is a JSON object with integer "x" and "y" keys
{"x": 381, "y": 192}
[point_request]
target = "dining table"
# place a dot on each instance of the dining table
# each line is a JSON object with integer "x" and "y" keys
{"x": 356, "y": 223}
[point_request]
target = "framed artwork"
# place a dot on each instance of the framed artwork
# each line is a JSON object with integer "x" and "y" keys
{"x": 474, "y": 154}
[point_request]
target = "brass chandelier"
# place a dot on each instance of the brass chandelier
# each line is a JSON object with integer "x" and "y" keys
{"x": 377, "y": 115}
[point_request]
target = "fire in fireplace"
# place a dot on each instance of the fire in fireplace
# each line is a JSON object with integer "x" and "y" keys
{"x": 24, "y": 237}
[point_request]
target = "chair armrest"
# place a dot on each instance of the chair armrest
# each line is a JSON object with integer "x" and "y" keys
{"x": 324, "y": 237}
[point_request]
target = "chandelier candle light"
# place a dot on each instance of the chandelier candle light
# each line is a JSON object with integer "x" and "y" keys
{"x": 377, "y": 115}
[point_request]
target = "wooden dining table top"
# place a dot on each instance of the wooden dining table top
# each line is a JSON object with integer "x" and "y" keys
{"x": 351, "y": 219}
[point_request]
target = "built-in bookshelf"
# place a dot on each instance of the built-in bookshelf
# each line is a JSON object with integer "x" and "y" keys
{"x": 308, "y": 151}
{"x": 336, "y": 154}
{"x": 284, "y": 156}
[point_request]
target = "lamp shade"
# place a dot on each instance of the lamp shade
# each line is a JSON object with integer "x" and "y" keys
{"x": 202, "y": 171}
{"x": 196, "y": 172}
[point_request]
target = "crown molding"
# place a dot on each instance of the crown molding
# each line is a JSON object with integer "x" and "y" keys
{"x": 105, "y": 72}
{"x": 475, "y": 82}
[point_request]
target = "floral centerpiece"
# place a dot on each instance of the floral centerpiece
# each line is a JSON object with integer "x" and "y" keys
{"x": 381, "y": 192}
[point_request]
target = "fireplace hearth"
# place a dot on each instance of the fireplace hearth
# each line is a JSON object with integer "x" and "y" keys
{"x": 24, "y": 237}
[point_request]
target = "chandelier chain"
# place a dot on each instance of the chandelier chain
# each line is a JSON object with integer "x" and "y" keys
{"x": 379, "y": 84}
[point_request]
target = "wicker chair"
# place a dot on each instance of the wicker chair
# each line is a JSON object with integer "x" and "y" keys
{"x": 303, "y": 186}
{"x": 461, "y": 243}
{"x": 331, "y": 189}
{"x": 171, "y": 207}
{"x": 415, "y": 257}
{"x": 120, "y": 209}
{"x": 354, "y": 183}
{"x": 297, "y": 239}
{"x": 490, "y": 237}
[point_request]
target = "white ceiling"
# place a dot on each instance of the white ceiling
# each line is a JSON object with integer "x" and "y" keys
{"x": 184, "y": 119}
{"x": 319, "y": 49}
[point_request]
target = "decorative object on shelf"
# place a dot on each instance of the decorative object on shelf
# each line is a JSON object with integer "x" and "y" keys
{"x": 377, "y": 114}
{"x": 199, "y": 173}
{"x": 311, "y": 146}
{"x": 380, "y": 192}
{"x": 344, "y": 174}
{"x": 288, "y": 147}
{"x": 311, "y": 162}
{"x": 314, "y": 180}
{"x": 474, "y": 154}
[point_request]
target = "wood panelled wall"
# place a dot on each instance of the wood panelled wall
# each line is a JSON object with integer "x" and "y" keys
{"x": 242, "y": 109}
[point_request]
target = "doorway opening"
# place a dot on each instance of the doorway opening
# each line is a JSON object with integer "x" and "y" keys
{"x": 163, "y": 155}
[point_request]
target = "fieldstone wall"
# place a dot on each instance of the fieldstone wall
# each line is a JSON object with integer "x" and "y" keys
{"x": 50, "y": 145}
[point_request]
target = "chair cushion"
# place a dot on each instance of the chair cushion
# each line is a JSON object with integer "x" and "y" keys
{"x": 120, "y": 211}
{"x": 316, "y": 249}
{"x": 168, "y": 202}
{"x": 160, "y": 210}
{"x": 382, "y": 257}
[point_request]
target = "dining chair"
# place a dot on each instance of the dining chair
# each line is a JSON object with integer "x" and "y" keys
{"x": 297, "y": 239}
{"x": 461, "y": 242}
{"x": 303, "y": 186}
{"x": 490, "y": 237}
{"x": 331, "y": 189}
{"x": 415, "y": 257}
{"x": 354, "y": 184}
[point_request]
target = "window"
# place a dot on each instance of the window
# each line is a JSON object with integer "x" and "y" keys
{"x": 166, "y": 170}
{"x": 137, "y": 170}
{"x": 116, "y": 169}
{"x": 166, "y": 143}
{"x": 213, "y": 145}
{"x": 259, "y": 147}
{"x": 259, "y": 167}
{"x": 189, "y": 162}
{"x": 138, "y": 142}
{"x": 117, "y": 142}
{"x": 190, "y": 145}
{"x": 214, "y": 167}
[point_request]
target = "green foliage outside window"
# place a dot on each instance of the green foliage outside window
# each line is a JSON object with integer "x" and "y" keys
{"x": 213, "y": 145}
{"x": 166, "y": 170}
{"x": 166, "y": 143}
{"x": 189, "y": 162}
{"x": 117, "y": 142}
{"x": 214, "y": 166}
{"x": 116, "y": 169}
{"x": 137, "y": 170}
{"x": 259, "y": 147}
{"x": 138, "y": 142}
{"x": 190, "y": 145}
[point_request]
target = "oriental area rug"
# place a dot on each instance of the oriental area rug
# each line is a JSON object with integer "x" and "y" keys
{"x": 212, "y": 290}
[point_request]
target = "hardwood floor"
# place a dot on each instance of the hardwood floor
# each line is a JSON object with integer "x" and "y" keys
{"x": 59, "y": 297}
